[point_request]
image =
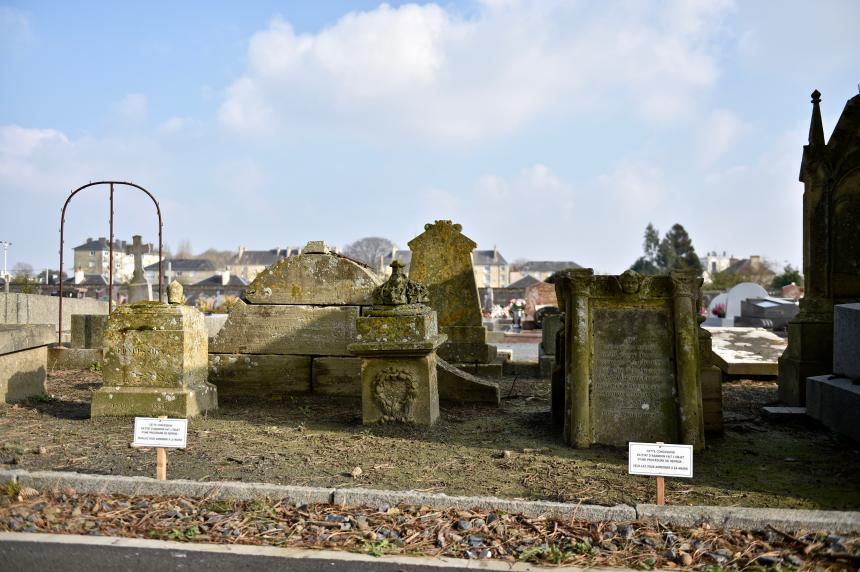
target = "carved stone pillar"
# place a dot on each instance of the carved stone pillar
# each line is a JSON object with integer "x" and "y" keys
{"x": 685, "y": 289}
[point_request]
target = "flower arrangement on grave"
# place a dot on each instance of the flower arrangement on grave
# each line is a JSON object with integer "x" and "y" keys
{"x": 719, "y": 310}
{"x": 516, "y": 305}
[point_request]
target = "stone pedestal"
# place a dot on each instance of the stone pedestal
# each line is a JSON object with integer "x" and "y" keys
{"x": 397, "y": 342}
{"x": 155, "y": 363}
{"x": 23, "y": 360}
{"x": 809, "y": 351}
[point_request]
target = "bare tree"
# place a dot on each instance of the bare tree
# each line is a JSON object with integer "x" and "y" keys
{"x": 184, "y": 249}
{"x": 369, "y": 249}
{"x": 22, "y": 270}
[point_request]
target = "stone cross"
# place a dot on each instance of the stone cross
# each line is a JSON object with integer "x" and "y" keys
{"x": 137, "y": 249}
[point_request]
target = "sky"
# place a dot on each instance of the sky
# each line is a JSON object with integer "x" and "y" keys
{"x": 552, "y": 130}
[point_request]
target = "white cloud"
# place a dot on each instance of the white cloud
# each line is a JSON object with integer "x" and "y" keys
{"x": 133, "y": 106}
{"x": 427, "y": 70}
{"x": 722, "y": 129}
{"x": 635, "y": 187}
{"x": 18, "y": 141}
{"x": 185, "y": 127}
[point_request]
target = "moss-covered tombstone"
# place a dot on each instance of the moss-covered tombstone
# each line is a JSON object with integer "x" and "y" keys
{"x": 631, "y": 369}
{"x": 155, "y": 362}
{"x": 442, "y": 260}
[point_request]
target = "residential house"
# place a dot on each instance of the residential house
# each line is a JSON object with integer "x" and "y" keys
{"x": 186, "y": 271}
{"x": 540, "y": 269}
{"x": 713, "y": 262}
{"x": 248, "y": 263}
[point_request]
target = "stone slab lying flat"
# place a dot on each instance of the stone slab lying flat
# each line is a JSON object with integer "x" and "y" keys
{"x": 460, "y": 386}
{"x": 783, "y": 411}
{"x": 785, "y": 519}
{"x": 836, "y": 403}
{"x": 746, "y": 351}
{"x": 275, "y": 329}
{"x": 19, "y": 337}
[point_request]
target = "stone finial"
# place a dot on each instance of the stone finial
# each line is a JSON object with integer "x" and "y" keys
{"x": 174, "y": 293}
{"x": 399, "y": 290}
{"x": 316, "y": 247}
{"x": 816, "y": 127}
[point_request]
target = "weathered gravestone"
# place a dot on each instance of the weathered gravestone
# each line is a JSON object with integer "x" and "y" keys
{"x": 155, "y": 361}
{"x": 442, "y": 261}
{"x": 830, "y": 173}
{"x": 632, "y": 370}
{"x": 397, "y": 341}
{"x": 23, "y": 359}
{"x": 290, "y": 333}
{"x": 835, "y": 399}
{"x": 139, "y": 289}
{"x": 88, "y": 330}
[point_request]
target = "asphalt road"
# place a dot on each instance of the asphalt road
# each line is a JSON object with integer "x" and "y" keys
{"x": 23, "y": 552}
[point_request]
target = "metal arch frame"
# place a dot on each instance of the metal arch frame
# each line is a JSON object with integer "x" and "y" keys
{"x": 110, "y": 246}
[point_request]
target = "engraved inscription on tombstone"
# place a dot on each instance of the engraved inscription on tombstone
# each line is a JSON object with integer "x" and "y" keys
{"x": 633, "y": 375}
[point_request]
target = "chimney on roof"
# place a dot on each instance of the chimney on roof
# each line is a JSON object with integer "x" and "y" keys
{"x": 79, "y": 275}
{"x": 241, "y": 250}
{"x": 225, "y": 277}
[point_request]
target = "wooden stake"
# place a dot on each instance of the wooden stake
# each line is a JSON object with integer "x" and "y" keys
{"x": 161, "y": 460}
{"x": 661, "y": 487}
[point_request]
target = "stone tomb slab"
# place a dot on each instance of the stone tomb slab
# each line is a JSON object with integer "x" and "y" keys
{"x": 846, "y": 341}
{"x": 259, "y": 375}
{"x": 746, "y": 351}
{"x": 337, "y": 376}
{"x": 633, "y": 375}
{"x": 313, "y": 278}
{"x": 836, "y": 403}
{"x": 285, "y": 330}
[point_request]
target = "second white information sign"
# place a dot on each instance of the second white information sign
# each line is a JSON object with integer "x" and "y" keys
{"x": 660, "y": 460}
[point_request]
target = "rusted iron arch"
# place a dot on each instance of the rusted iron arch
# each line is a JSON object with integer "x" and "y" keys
{"x": 110, "y": 246}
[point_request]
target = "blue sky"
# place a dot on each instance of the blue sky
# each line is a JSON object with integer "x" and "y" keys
{"x": 552, "y": 130}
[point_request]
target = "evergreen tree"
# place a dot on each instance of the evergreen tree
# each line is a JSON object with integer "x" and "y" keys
{"x": 675, "y": 252}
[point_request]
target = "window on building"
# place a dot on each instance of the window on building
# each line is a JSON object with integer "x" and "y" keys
{"x": 92, "y": 252}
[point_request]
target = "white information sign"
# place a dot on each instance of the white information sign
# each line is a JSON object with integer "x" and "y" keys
{"x": 660, "y": 460}
{"x": 155, "y": 432}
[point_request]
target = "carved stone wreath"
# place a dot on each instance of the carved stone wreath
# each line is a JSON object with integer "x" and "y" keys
{"x": 394, "y": 391}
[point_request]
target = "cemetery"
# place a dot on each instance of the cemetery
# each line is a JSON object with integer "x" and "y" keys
{"x": 415, "y": 403}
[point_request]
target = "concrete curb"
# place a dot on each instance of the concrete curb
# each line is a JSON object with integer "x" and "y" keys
{"x": 788, "y": 520}
{"x": 114, "y": 484}
{"x": 785, "y": 519}
{"x": 353, "y": 497}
